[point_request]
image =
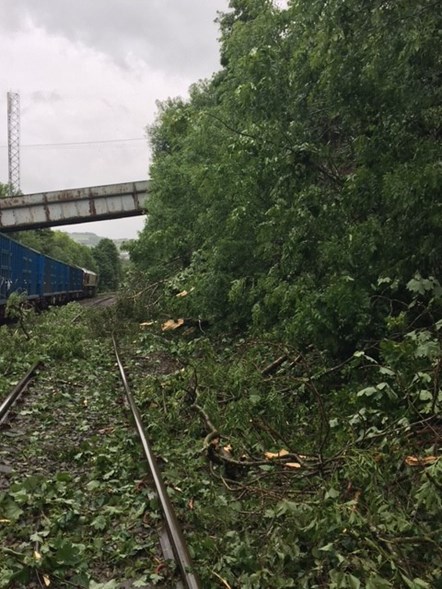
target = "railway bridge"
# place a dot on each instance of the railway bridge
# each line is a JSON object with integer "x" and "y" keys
{"x": 76, "y": 205}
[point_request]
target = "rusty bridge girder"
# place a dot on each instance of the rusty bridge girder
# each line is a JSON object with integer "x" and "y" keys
{"x": 77, "y": 205}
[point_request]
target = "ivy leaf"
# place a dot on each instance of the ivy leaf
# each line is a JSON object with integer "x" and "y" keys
{"x": 68, "y": 553}
{"x": 332, "y": 494}
{"x": 387, "y": 371}
{"x": 429, "y": 349}
{"x": 420, "y": 285}
{"x": 353, "y": 582}
{"x": 425, "y": 395}
{"x": 376, "y": 582}
{"x": 367, "y": 392}
{"x": 92, "y": 485}
{"x": 99, "y": 523}
{"x": 11, "y": 510}
{"x": 416, "y": 583}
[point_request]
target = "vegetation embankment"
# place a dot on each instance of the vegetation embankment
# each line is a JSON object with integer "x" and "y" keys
{"x": 295, "y": 211}
{"x": 293, "y": 472}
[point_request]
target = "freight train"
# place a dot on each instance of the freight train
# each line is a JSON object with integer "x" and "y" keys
{"x": 44, "y": 280}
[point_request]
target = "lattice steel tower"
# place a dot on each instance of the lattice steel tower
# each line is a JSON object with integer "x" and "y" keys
{"x": 14, "y": 142}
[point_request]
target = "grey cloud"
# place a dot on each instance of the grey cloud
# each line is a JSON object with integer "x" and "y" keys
{"x": 176, "y": 36}
{"x": 122, "y": 108}
{"x": 44, "y": 97}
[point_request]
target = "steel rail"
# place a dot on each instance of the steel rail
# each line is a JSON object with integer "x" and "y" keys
{"x": 15, "y": 394}
{"x": 97, "y": 301}
{"x": 175, "y": 533}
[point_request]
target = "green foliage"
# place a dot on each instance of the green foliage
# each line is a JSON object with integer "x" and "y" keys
{"x": 361, "y": 510}
{"x": 108, "y": 262}
{"x": 16, "y": 306}
{"x": 365, "y": 519}
{"x": 55, "y": 335}
{"x": 72, "y": 511}
{"x": 303, "y": 172}
{"x": 4, "y": 190}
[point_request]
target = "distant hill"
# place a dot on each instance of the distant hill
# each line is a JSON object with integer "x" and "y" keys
{"x": 91, "y": 240}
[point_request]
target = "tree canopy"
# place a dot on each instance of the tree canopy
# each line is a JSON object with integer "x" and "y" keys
{"x": 288, "y": 188}
{"x": 108, "y": 262}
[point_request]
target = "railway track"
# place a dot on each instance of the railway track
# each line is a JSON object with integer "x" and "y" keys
{"x": 11, "y": 399}
{"x": 104, "y": 300}
{"x": 171, "y": 539}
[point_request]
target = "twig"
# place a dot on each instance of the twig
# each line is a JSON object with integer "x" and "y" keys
{"x": 223, "y": 581}
{"x": 274, "y": 365}
{"x": 245, "y": 488}
{"x": 433, "y": 480}
{"x": 332, "y": 369}
{"x": 39, "y": 579}
{"x": 213, "y": 432}
{"x": 325, "y": 426}
{"x": 436, "y": 385}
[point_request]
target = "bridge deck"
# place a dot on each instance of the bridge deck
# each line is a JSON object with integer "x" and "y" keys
{"x": 77, "y": 205}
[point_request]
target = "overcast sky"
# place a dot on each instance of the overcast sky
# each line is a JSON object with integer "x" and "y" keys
{"x": 90, "y": 71}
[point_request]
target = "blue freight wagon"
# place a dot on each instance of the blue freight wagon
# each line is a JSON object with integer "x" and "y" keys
{"x": 61, "y": 280}
{"x": 41, "y": 278}
{"x": 25, "y": 270}
{"x": 20, "y": 269}
{"x": 5, "y": 268}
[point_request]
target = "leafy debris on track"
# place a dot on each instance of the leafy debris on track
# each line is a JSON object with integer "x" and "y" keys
{"x": 304, "y": 475}
{"x": 75, "y": 504}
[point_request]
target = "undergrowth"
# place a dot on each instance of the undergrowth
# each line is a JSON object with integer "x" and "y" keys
{"x": 74, "y": 510}
{"x": 287, "y": 469}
